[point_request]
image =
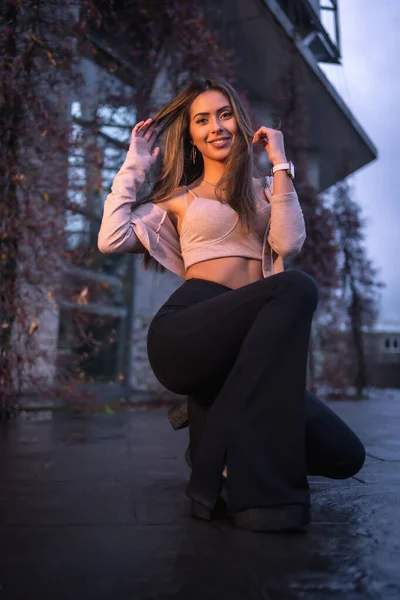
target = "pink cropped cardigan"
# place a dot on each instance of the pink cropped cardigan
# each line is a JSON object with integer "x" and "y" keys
{"x": 124, "y": 224}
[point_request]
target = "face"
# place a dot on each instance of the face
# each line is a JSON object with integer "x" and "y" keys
{"x": 212, "y": 118}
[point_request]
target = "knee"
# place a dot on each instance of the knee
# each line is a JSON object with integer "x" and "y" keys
{"x": 303, "y": 287}
{"x": 358, "y": 459}
{"x": 353, "y": 463}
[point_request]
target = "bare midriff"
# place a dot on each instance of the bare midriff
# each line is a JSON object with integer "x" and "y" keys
{"x": 231, "y": 271}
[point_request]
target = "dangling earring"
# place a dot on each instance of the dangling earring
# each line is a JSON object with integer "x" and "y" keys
{"x": 193, "y": 153}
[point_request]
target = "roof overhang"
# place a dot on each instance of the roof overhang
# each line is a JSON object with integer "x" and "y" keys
{"x": 261, "y": 34}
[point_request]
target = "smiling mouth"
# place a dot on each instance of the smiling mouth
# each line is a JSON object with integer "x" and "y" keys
{"x": 220, "y": 142}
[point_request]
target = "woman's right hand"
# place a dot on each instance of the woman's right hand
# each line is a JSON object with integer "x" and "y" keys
{"x": 143, "y": 136}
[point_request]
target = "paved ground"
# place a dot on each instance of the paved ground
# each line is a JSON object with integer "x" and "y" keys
{"x": 93, "y": 506}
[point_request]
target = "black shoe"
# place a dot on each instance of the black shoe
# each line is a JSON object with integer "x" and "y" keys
{"x": 283, "y": 519}
{"x": 220, "y": 510}
{"x": 291, "y": 518}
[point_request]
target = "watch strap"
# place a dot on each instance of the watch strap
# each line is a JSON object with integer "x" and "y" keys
{"x": 288, "y": 167}
{"x": 280, "y": 167}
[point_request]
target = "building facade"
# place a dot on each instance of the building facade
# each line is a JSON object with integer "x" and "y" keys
{"x": 383, "y": 355}
{"x": 114, "y": 295}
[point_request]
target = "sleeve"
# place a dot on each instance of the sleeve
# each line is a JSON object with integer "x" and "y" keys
{"x": 117, "y": 230}
{"x": 287, "y": 231}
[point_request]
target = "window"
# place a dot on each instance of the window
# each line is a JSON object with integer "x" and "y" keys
{"x": 94, "y": 320}
{"x": 391, "y": 344}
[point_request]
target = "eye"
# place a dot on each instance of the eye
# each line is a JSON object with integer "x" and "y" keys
{"x": 225, "y": 115}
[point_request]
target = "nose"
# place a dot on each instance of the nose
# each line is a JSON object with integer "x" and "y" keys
{"x": 216, "y": 126}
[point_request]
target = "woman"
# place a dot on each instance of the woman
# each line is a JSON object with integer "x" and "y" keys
{"x": 234, "y": 336}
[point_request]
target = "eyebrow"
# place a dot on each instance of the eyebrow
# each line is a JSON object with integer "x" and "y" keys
{"x": 207, "y": 113}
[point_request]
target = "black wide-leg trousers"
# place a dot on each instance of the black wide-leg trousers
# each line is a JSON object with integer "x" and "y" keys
{"x": 241, "y": 355}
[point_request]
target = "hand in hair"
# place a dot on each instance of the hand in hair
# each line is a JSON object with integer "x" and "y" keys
{"x": 143, "y": 137}
{"x": 272, "y": 142}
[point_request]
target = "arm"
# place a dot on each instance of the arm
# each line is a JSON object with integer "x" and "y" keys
{"x": 117, "y": 233}
{"x": 287, "y": 228}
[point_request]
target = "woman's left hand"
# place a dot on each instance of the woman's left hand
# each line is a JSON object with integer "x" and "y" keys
{"x": 272, "y": 141}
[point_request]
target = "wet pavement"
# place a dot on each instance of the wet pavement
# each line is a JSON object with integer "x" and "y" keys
{"x": 93, "y": 506}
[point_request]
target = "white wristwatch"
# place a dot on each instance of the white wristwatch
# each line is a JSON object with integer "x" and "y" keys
{"x": 288, "y": 167}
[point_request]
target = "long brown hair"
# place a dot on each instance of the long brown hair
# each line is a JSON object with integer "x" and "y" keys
{"x": 176, "y": 168}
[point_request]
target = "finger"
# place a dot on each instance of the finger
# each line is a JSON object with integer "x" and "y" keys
{"x": 137, "y": 126}
{"x": 264, "y": 129}
{"x": 149, "y": 135}
{"x": 261, "y": 132}
{"x": 143, "y": 128}
{"x": 155, "y": 152}
{"x": 263, "y": 142}
{"x": 260, "y": 136}
{"x": 140, "y": 129}
{"x": 153, "y": 135}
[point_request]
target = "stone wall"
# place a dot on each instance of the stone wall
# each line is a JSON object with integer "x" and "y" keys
{"x": 151, "y": 290}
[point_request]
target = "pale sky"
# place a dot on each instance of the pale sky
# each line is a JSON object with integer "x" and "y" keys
{"x": 369, "y": 83}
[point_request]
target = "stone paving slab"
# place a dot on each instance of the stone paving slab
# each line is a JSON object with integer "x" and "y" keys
{"x": 93, "y": 506}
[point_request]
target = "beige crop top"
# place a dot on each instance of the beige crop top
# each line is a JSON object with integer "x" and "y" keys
{"x": 211, "y": 229}
{"x": 128, "y": 226}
